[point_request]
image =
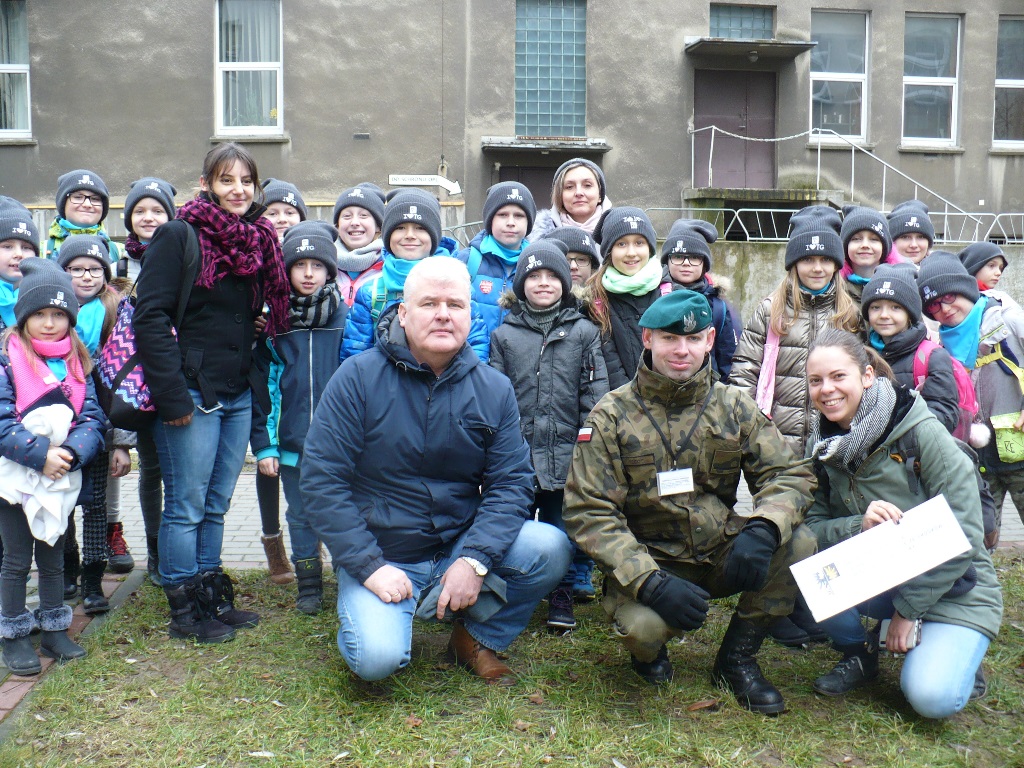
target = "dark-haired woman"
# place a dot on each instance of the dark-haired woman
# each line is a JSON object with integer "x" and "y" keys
{"x": 203, "y": 380}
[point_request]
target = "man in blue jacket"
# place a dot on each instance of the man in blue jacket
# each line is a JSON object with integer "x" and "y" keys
{"x": 417, "y": 479}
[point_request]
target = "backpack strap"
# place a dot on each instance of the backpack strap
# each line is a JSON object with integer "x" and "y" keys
{"x": 907, "y": 454}
{"x": 717, "y": 315}
{"x": 922, "y": 357}
{"x": 380, "y": 297}
{"x": 473, "y": 263}
{"x": 191, "y": 264}
{"x": 998, "y": 356}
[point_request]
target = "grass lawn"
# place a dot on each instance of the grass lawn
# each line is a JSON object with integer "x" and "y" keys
{"x": 280, "y": 695}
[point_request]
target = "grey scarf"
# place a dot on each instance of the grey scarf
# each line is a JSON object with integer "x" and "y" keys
{"x": 848, "y": 450}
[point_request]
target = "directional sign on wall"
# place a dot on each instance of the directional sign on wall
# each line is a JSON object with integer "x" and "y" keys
{"x": 415, "y": 180}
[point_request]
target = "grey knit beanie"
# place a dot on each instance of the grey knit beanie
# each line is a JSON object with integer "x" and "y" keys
{"x": 942, "y": 273}
{"x": 621, "y": 221}
{"x": 92, "y": 246}
{"x": 362, "y": 197}
{"x": 815, "y": 232}
{"x": 44, "y": 284}
{"x": 81, "y": 180}
{"x": 543, "y": 254}
{"x": 148, "y": 186}
{"x": 416, "y": 206}
{"x": 977, "y": 255}
{"x": 857, "y": 218}
{"x": 509, "y": 193}
{"x": 691, "y": 237}
{"x": 911, "y": 216}
{"x": 576, "y": 240}
{"x": 16, "y": 223}
{"x": 311, "y": 240}
{"x": 896, "y": 283}
{"x": 277, "y": 191}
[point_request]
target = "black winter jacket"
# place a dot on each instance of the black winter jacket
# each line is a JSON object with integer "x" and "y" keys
{"x": 939, "y": 388}
{"x": 624, "y": 347}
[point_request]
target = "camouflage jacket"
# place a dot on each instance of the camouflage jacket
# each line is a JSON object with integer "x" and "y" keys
{"x": 612, "y": 507}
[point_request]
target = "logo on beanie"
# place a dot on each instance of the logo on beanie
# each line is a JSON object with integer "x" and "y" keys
{"x": 289, "y": 198}
{"x": 21, "y": 229}
{"x": 928, "y": 293}
{"x": 153, "y": 186}
{"x": 689, "y": 322}
{"x": 514, "y": 195}
{"x": 412, "y": 214}
{"x": 534, "y": 263}
{"x": 86, "y": 179}
{"x": 305, "y": 246}
{"x": 356, "y": 193}
{"x": 586, "y": 240}
{"x": 680, "y": 247}
{"x": 815, "y": 244}
{"x": 58, "y": 300}
{"x": 886, "y": 289}
{"x": 877, "y": 227}
{"x": 94, "y": 250}
{"x": 912, "y": 222}
{"x": 633, "y": 221}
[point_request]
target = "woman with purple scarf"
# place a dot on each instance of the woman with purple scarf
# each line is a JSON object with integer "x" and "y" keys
{"x": 202, "y": 378}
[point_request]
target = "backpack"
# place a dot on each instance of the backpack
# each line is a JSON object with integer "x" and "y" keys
{"x": 380, "y": 296}
{"x": 121, "y": 387}
{"x": 965, "y": 395}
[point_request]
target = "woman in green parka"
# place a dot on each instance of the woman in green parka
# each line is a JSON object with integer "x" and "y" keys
{"x": 860, "y": 448}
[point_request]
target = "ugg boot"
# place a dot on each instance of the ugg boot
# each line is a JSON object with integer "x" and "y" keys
{"x": 120, "y": 559}
{"x": 310, "y": 574}
{"x": 19, "y": 655}
{"x": 55, "y": 643}
{"x": 858, "y": 667}
{"x": 153, "y": 560}
{"x": 277, "y": 559}
{"x": 190, "y": 614}
{"x": 222, "y": 600}
{"x": 93, "y": 599}
{"x": 737, "y": 669}
{"x": 72, "y": 563}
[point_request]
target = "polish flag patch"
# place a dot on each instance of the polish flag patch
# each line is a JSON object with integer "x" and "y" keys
{"x": 585, "y": 435}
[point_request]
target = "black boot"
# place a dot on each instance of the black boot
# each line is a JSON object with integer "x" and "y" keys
{"x": 153, "y": 560}
{"x": 72, "y": 562}
{"x": 858, "y": 667}
{"x": 55, "y": 643}
{"x": 980, "y": 685}
{"x": 190, "y": 617}
{"x": 654, "y": 672}
{"x": 93, "y": 599}
{"x": 804, "y": 619}
{"x": 19, "y": 655}
{"x": 737, "y": 669}
{"x": 310, "y": 575}
{"x": 784, "y": 631}
{"x": 222, "y": 595}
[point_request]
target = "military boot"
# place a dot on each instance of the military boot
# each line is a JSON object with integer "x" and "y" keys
{"x": 736, "y": 668}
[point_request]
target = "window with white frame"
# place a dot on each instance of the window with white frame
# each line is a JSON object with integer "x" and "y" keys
{"x": 1008, "y": 121}
{"x": 15, "y": 112}
{"x": 249, "y": 88}
{"x": 931, "y": 68}
{"x": 839, "y": 79}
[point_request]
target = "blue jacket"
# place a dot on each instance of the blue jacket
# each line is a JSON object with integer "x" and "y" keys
{"x": 399, "y": 463}
{"x": 491, "y": 277}
{"x": 297, "y": 366}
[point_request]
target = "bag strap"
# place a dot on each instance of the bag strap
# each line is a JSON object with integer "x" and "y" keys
{"x": 380, "y": 297}
{"x": 998, "y": 357}
{"x": 765, "y": 393}
{"x": 921, "y": 359}
{"x": 192, "y": 257}
{"x": 473, "y": 263}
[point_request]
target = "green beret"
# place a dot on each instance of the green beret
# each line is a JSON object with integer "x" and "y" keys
{"x": 680, "y": 312}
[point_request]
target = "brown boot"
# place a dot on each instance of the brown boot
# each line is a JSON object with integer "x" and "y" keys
{"x": 481, "y": 661}
{"x": 277, "y": 559}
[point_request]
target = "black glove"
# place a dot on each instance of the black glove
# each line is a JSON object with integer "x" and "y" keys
{"x": 746, "y": 569}
{"x": 679, "y": 602}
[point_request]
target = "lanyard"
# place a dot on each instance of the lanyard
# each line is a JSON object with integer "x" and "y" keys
{"x": 686, "y": 440}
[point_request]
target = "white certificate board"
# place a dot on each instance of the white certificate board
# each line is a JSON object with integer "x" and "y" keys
{"x": 880, "y": 558}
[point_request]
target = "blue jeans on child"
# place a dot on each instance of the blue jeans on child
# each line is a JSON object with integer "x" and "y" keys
{"x": 938, "y": 674}
{"x": 375, "y": 638}
{"x": 200, "y": 463}
{"x": 305, "y": 544}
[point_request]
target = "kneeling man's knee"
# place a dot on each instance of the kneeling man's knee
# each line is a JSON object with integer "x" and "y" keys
{"x": 374, "y": 663}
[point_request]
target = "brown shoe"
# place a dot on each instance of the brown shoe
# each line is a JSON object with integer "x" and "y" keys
{"x": 481, "y": 661}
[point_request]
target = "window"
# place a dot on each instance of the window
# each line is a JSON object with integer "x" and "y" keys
{"x": 742, "y": 22}
{"x": 551, "y": 68}
{"x": 15, "y": 118}
{"x": 931, "y": 63}
{"x": 1008, "y": 124}
{"x": 249, "y": 88}
{"x": 839, "y": 72}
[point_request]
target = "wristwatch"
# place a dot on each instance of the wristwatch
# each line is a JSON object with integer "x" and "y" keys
{"x": 476, "y": 565}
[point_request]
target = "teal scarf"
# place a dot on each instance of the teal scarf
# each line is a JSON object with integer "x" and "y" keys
{"x": 818, "y": 292}
{"x": 90, "y": 324}
{"x": 395, "y": 270}
{"x": 8, "y": 297}
{"x": 856, "y": 279}
{"x": 61, "y": 229}
{"x": 640, "y": 284}
{"x": 511, "y": 258}
{"x": 876, "y": 341}
{"x": 961, "y": 341}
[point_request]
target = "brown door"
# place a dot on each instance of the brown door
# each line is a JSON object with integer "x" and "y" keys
{"x": 742, "y": 103}
{"x": 537, "y": 180}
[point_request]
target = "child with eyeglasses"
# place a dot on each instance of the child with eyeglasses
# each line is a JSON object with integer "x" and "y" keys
{"x": 82, "y": 205}
{"x": 686, "y": 263}
{"x": 987, "y": 336}
{"x": 86, "y": 261}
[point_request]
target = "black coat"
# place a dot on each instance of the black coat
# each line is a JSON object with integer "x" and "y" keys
{"x": 624, "y": 347}
{"x": 939, "y": 388}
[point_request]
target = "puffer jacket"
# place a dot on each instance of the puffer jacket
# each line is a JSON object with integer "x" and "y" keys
{"x": 998, "y": 390}
{"x": 624, "y": 346}
{"x": 842, "y": 498}
{"x": 714, "y": 288}
{"x": 491, "y": 275}
{"x": 557, "y": 376}
{"x": 399, "y": 463}
{"x": 367, "y": 261}
{"x": 791, "y": 410}
{"x": 939, "y": 388}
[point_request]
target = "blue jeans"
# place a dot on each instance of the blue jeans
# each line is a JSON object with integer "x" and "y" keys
{"x": 200, "y": 463}
{"x": 304, "y": 539}
{"x": 375, "y": 638}
{"x": 938, "y": 674}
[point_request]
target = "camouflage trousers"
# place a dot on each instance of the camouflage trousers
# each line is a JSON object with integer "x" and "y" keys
{"x": 643, "y": 631}
{"x": 1002, "y": 482}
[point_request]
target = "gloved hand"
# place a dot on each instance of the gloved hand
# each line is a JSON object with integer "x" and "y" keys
{"x": 746, "y": 569}
{"x": 682, "y": 604}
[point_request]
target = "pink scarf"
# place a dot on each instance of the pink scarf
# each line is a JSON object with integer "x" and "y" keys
{"x": 588, "y": 225}
{"x": 31, "y": 383}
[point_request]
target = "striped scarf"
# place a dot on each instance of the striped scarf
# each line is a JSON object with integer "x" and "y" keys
{"x": 846, "y": 451}
{"x": 316, "y": 310}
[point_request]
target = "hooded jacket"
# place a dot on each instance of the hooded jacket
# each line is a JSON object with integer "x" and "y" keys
{"x": 997, "y": 388}
{"x": 399, "y": 463}
{"x": 491, "y": 277}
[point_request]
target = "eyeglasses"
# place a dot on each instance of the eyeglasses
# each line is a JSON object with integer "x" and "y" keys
{"x": 936, "y": 304}
{"x": 681, "y": 258}
{"x": 79, "y": 198}
{"x": 80, "y": 271}
{"x": 579, "y": 261}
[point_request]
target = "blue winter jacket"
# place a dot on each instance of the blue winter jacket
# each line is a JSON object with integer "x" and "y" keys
{"x": 399, "y": 463}
{"x": 297, "y": 366}
{"x": 491, "y": 277}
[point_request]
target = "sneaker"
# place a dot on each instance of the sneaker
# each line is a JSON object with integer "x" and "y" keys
{"x": 583, "y": 587}
{"x": 560, "y": 615}
{"x": 120, "y": 560}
